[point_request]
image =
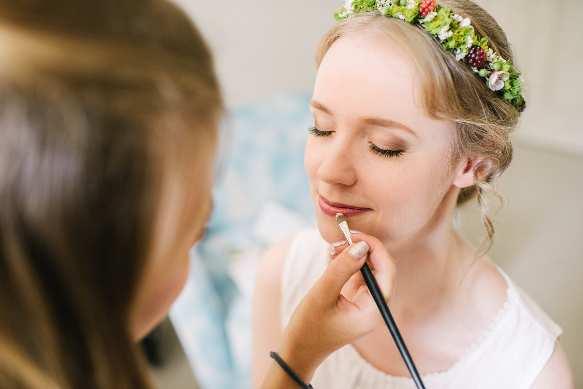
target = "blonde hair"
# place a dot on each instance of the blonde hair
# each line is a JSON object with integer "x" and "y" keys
{"x": 451, "y": 91}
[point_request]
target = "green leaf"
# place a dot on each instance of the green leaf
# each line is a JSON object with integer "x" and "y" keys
{"x": 459, "y": 38}
{"x": 364, "y": 5}
{"x": 341, "y": 14}
{"x": 441, "y": 20}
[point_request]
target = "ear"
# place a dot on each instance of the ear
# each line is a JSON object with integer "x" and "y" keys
{"x": 470, "y": 170}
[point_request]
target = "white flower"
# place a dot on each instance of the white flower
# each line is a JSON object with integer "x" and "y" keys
{"x": 430, "y": 16}
{"x": 469, "y": 41}
{"x": 466, "y": 22}
{"x": 459, "y": 54}
{"x": 411, "y": 4}
{"x": 384, "y": 5}
{"x": 348, "y": 5}
{"x": 497, "y": 80}
{"x": 444, "y": 33}
{"x": 490, "y": 55}
{"x": 400, "y": 16}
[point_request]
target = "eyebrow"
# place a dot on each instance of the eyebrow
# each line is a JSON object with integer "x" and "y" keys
{"x": 371, "y": 121}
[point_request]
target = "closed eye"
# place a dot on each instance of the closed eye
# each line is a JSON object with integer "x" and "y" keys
{"x": 387, "y": 153}
{"x": 316, "y": 132}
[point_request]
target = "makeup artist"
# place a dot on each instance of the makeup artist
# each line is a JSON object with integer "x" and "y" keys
{"x": 108, "y": 131}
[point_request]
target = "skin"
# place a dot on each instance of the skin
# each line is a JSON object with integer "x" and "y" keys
{"x": 326, "y": 319}
{"x": 185, "y": 207}
{"x": 441, "y": 291}
{"x": 412, "y": 195}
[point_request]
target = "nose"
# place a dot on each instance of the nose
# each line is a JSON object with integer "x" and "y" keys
{"x": 337, "y": 164}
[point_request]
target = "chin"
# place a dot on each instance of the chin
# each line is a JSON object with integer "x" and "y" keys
{"x": 329, "y": 230}
{"x": 157, "y": 301}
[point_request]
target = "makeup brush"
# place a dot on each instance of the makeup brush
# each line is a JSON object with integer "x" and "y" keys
{"x": 378, "y": 298}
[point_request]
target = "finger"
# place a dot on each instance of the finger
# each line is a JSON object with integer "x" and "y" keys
{"x": 336, "y": 248}
{"x": 362, "y": 298}
{"x": 367, "y": 307}
{"x": 354, "y": 283}
{"x": 340, "y": 270}
{"x": 382, "y": 263}
{"x": 356, "y": 280}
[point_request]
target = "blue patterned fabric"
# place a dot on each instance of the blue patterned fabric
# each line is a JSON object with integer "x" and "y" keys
{"x": 261, "y": 193}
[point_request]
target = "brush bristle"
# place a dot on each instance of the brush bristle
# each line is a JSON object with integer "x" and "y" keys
{"x": 340, "y": 218}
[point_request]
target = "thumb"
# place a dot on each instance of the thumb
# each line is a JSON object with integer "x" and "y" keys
{"x": 344, "y": 266}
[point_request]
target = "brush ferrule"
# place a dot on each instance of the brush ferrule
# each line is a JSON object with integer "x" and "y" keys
{"x": 343, "y": 225}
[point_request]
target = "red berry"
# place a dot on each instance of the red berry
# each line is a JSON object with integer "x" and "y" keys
{"x": 477, "y": 57}
{"x": 427, "y": 6}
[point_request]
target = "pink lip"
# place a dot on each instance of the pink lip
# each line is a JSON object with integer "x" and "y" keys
{"x": 331, "y": 209}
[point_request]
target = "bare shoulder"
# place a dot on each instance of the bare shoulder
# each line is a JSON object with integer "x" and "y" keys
{"x": 488, "y": 288}
{"x": 556, "y": 373}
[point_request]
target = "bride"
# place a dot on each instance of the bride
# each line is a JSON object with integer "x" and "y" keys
{"x": 403, "y": 135}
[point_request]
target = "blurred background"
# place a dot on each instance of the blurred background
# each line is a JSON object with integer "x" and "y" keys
{"x": 265, "y": 57}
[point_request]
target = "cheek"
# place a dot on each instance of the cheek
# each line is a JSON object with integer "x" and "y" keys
{"x": 407, "y": 195}
{"x": 172, "y": 284}
{"x": 159, "y": 291}
{"x": 311, "y": 160}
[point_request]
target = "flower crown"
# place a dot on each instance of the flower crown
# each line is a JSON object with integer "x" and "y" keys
{"x": 455, "y": 34}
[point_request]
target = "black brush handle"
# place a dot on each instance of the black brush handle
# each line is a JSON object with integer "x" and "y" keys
{"x": 378, "y": 298}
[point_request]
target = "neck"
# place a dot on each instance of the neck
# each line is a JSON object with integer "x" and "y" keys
{"x": 430, "y": 265}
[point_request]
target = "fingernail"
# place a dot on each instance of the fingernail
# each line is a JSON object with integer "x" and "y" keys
{"x": 339, "y": 243}
{"x": 331, "y": 250}
{"x": 355, "y": 232}
{"x": 358, "y": 250}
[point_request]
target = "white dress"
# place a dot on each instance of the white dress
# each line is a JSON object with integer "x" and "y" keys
{"x": 509, "y": 354}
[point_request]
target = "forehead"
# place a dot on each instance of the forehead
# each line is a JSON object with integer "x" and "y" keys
{"x": 369, "y": 73}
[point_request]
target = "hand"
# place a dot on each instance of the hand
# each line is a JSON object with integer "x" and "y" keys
{"x": 339, "y": 308}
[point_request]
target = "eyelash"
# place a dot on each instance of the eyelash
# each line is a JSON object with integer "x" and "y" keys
{"x": 314, "y": 131}
{"x": 385, "y": 153}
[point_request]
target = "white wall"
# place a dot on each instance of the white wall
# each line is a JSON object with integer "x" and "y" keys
{"x": 263, "y": 46}
{"x": 266, "y": 47}
{"x": 548, "y": 42}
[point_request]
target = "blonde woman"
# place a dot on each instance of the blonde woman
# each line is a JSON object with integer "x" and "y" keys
{"x": 414, "y": 103}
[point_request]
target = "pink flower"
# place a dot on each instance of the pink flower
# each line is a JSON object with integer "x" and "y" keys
{"x": 497, "y": 80}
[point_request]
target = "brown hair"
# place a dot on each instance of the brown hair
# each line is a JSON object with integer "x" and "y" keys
{"x": 89, "y": 93}
{"x": 453, "y": 92}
